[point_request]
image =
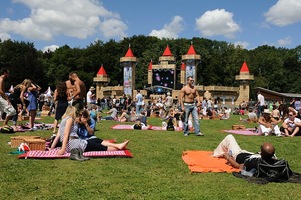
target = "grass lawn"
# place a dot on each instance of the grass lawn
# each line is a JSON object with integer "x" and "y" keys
{"x": 156, "y": 170}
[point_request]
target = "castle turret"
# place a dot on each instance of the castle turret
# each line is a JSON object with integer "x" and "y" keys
{"x": 149, "y": 73}
{"x": 164, "y": 73}
{"x": 128, "y": 62}
{"x": 191, "y": 60}
{"x": 183, "y": 73}
{"x": 101, "y": 80}
{"x": 244, "y": 89}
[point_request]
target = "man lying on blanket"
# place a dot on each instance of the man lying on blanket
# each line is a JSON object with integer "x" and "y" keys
{"x": 242, "y": 159}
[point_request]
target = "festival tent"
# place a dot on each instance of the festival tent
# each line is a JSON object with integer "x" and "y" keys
{"x": 48, "y": 92}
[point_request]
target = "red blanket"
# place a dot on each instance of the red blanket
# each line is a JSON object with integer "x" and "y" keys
{"x": 203, "y": 161}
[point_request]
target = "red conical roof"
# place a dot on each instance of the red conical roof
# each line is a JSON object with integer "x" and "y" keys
{"x": 150, "y": 66}
{"x": 102, "y": 71}
{"x": 183, "y": 66}
{"x": 191, "y": 50}
{"x": 244, "y": 67}
{"x": 167, "y": 52}
{"x": 129, "y": 53}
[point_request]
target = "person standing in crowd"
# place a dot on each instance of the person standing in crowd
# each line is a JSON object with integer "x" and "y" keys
{"x": 4, "y": 103}
{"x": 188, "y": 95}
{"x": 90, "y": 97}
{"x": 260, "y": 104}
{"x": 168, "y": 102}
{"x": 78, "y": 96}
{"x": 139, "y": 102}
{"x": 61, "y": 97}
{"x": 33, "y": 103}
{"x": 17, "y": 97}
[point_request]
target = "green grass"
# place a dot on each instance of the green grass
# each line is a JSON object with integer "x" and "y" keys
{"x": 156, "y": 171}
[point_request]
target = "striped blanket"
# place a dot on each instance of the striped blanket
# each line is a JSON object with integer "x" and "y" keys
{"x": 52, "y": 154}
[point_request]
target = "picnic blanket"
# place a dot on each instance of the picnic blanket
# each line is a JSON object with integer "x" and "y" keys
{"x": 39, "y": 126}
{"x": 203, "y": 161}
{"x": 129, "y": 127}
{"x": 52, "y": 154}
{"x": 248, "y": 131}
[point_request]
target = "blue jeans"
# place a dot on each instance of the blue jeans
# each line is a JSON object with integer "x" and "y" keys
{"x": 138, "y": 109}
{"x": 191, "y": 108}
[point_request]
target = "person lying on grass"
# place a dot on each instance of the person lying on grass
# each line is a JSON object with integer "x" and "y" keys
{"x": 242, "y": 159}
{"x": 67, "y": 134}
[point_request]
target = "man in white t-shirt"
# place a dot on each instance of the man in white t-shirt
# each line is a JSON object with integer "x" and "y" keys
{"x": 139, "y": 102}
{"x": 260, "y": 104}
{"x": 90, "y": 97}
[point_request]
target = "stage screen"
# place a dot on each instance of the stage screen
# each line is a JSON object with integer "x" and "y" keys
{"x": 164, "y": 77}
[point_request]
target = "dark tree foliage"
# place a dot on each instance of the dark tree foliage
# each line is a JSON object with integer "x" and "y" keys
{"x": 274, "y": 68}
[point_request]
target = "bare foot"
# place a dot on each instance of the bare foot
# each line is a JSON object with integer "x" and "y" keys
{"x": 123, "y": 145}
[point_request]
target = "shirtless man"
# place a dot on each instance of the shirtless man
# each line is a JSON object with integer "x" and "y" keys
{"x": 78, "y": 91}
{"x": 4, "y": 103}
{"x": 187, "y": 96}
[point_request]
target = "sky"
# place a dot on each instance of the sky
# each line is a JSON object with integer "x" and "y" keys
{"x": 50, "y": 24}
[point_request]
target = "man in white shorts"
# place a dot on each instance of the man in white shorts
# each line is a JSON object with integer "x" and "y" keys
{"x": 5, "y": 105}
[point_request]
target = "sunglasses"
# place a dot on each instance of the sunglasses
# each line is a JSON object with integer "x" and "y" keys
{"x": 290, "y": 115}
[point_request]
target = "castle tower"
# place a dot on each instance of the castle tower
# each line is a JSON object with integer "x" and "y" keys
{"x": 183, "y": 73}
{"x": 101, "y": 80}
{"x": 164, "y": 73}
{"x": 128, "y": 62}
{"x": 191, "y": 60}
{"x": 244, "y": 89}
{"x": 150, "y": 73}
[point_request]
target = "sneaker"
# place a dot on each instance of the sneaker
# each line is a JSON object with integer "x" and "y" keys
{"x": 200, "y": 134}
{"x": 186, "y": 134}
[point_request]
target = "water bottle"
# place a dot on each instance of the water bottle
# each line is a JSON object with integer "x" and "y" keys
{"x": 248, "y": 173}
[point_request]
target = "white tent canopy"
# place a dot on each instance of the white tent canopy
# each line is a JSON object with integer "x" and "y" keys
{"x": 48, "y": 92}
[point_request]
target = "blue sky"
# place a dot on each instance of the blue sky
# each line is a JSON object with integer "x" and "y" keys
{"x": 50, "y": 24}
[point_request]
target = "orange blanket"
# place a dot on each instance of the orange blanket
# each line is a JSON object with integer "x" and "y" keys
{"x": 203, "y": 161}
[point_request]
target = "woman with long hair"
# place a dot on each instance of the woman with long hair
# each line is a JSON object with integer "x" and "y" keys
{"x": 61, "y": 98}
{"x": 68, "y": 135}
{"x": 17, "y": 97}
{"x": 32, "y": 107}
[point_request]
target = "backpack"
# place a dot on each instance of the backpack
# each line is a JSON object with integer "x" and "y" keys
{"x": 170, "y": 126}
{"x": 7, "y": 129}
{"x": 277, "y": 172}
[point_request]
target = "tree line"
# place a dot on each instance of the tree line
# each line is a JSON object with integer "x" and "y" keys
{"x": 274, "y": 68}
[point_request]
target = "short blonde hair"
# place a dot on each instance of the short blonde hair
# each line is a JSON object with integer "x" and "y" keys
{"x": 70, "y": 111}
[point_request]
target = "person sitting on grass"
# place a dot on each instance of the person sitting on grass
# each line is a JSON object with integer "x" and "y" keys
{"x": 268, "y": 125}
{"x": 113, "y": 111}
{"x": 128, "y": 116}
{"x": 290, "y": 124}
{"x": 242, "y": 159}
{"x": 252, "y": 117}
{"x": 68, "y": 136}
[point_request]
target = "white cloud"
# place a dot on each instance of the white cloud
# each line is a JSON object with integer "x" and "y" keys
{"x": 50, "y": 48}
{"x": 4, "y": 36}
{"x": 243, "y": 44}
{"x": 285, "y": 41}
{"x": 284, "y": 12}
{"x": 217, "y": 22}
{"x": 74, "y": 18}
{"x": 170, "y": 30}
